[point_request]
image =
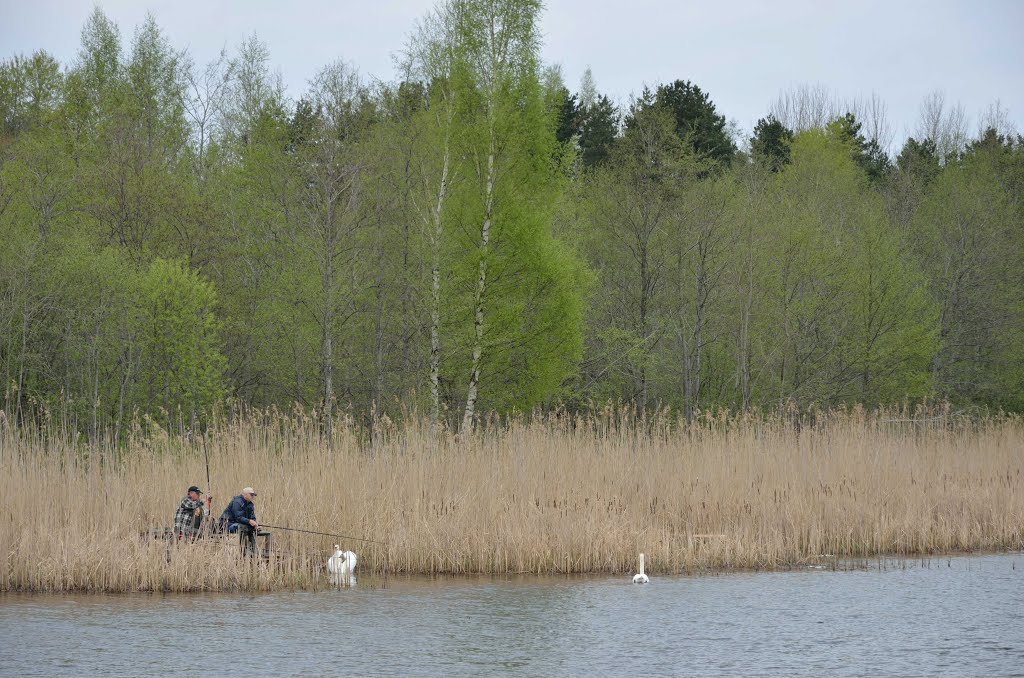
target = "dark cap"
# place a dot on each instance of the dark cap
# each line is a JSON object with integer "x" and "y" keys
{"x": 195, "y": 489}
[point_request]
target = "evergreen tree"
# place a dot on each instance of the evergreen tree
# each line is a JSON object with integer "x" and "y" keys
{"x": 567, "y": 117}
{"x": 867, "y": 154}
{"x": 598, "y": 128}
{"x": 919, "y": 158}
{"x": 916, "y": 167}
{"x": 770, "y": 143}
{"x": 426, "y": 241}
{"x": 697, "y": 120}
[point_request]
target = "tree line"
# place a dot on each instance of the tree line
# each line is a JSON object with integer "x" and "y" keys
{"x": 476, "y": 238}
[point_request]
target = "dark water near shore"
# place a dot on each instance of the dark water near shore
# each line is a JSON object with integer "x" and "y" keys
{"x": 957, "y": 616}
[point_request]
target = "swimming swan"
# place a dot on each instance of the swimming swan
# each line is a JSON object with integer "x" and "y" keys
{"x": 640, "y": 577}
{"x": 342, "y": 562}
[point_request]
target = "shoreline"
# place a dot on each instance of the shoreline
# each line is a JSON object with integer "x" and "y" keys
{"x": 377, "y": 581}
{"x": 539, "y": 497}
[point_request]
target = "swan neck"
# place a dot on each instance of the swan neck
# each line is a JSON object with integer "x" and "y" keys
{"x": 641, "y": 563}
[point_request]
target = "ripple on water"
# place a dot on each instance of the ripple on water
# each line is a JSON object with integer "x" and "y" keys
{"x": 955, "y": 616}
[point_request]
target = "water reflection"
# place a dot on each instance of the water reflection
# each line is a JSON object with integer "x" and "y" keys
{"x": 341, "y": 580}
{"x": 960, "y": 616}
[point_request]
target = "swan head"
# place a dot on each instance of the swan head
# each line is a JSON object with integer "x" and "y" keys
{"x": 334, "y": 562}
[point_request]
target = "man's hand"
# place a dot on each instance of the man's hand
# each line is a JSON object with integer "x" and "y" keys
{"x": 253, "y": 523}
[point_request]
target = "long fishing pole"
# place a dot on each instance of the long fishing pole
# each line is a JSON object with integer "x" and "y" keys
{"x": 209, "y": 488}
{"x": 323, "y": 534}
{"x": 206, "y": 454}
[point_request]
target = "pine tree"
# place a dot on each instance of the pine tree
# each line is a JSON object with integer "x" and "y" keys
{"x": 770, "y": 143}
{"x": 697, "y": 120}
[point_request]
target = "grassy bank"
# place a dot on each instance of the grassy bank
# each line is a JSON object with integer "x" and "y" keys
{"x": 559, "y": 495}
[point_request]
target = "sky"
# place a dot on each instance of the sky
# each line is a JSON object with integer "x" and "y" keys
{"x": 742, "y": 52}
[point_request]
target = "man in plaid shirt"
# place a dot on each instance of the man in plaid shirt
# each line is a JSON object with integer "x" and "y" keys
{"x": 191, "y": 515}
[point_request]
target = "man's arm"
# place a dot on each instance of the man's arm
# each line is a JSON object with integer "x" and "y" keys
{"x": 236, "y": 511}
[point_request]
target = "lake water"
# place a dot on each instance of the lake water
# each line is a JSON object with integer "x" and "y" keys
{"x": 961, "y": 616}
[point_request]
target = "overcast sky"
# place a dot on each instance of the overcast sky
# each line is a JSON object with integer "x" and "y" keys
{"x": 743, "y": 52}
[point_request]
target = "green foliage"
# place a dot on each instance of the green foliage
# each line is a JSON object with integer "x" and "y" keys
{"x": 919, "y": 158}
{"x": 770, "y": 143}
{"x": 866, "y": 153}
{"x": 479, "y": 224}
{"x": 631, "y": 211}
{"x": 892, "y": 337}
{"x": 511, "y": 281}
{"x": 30, "y": 90}
{"x": 592, "y": 125}
{"x": 697, "y": 120}
{"x": 95, "y": 302}
{"x": 916, "y": 167}
{"x": 181, "y": 366}
{"x": 968, "y": 236}
{"x": 567, "y": 117}
{"x": 598, "y": 128}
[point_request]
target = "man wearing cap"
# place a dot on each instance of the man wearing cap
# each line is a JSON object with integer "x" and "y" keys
{"x": 240, "y": 516}
{"x": 191, "y": 515}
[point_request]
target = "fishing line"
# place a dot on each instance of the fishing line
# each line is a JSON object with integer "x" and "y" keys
{"x": 323, "y": 534}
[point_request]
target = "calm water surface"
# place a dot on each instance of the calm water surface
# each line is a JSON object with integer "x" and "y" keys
{"x": 960, "y": 617}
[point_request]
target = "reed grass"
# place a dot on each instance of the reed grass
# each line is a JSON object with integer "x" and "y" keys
{"x": 556, "y": 494}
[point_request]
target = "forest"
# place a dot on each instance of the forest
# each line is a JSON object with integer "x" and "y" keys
{"x": 475, "y": 239}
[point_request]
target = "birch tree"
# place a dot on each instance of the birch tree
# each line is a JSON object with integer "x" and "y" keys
{"x": 525, "y": 306}
{"x": 431, "y": 60}
{"x": 498, "y": 61}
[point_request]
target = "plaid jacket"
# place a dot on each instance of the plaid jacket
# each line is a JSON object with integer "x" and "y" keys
{"x": 190, "y": 517}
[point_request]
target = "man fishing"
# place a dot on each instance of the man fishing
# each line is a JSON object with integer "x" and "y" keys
{"x": 240, "y": 517}
{"x": 191, "y": 515}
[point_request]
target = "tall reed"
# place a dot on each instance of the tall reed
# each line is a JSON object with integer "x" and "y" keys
{"x": 560, "y": 494}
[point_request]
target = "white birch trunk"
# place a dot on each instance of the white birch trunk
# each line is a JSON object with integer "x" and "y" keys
{"x": 481, "y": 286}
{"x": 435, "y": 299}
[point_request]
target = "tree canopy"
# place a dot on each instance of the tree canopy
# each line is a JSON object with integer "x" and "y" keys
{"x": 477, "y": 238}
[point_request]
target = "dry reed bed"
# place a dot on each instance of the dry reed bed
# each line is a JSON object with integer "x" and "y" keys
{"x": 558, "y": 495}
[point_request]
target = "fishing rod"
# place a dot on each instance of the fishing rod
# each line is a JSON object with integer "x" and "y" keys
{"x": 323, "y": 534}
{"x": 209, "y": 486}
{"x": 208, "y": 523}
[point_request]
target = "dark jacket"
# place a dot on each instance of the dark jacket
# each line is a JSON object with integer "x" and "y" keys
{"x": 238, "y": 511}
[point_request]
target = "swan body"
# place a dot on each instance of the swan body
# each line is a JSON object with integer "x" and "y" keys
{"x": 640, "y": 577}
{"x": 342, "y": 562}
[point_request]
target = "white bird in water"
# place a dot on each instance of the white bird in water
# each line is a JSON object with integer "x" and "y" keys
{"x": 640, "y": 577}
{"x": 342, "y": 562}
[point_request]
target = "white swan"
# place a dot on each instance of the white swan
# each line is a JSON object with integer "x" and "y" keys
{"x": 342, "y": 562}
{"x": 640, "y": 577}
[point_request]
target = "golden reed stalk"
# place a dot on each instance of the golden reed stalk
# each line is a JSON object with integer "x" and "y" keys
{"x": 559, "y": 494}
